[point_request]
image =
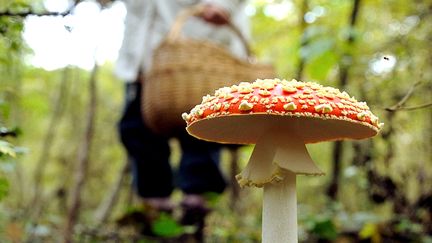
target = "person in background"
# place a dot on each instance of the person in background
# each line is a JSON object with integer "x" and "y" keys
{"x": 147, "y": 23}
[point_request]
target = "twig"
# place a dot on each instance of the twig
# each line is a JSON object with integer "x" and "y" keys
{"x": 104, "y": 210}
{"x": 4, "y": 132}
{"x": 404, "y": 99}
{"x": 25, "y": 14}
{"x": 410, "y": 108}
{"x": 31, "y": 12}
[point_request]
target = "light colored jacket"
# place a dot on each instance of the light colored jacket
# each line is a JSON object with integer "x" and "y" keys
{"x": 148, "y": 21}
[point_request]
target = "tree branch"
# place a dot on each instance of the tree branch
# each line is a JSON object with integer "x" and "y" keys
{"x": 4, "y": 132}
{"x": 404, "y": 99}
{"x": 410, "y": 108}
{"x": 31, "y": 12}
{"x": 25, "y": 14}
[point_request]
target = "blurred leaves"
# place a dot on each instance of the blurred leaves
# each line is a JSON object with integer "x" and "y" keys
{"x": 10, "y": 33}
{"x": 167, "y": 226}
{"x": 370, "y": 231}
{"x": 7, "y": 149}
{"x": 316, "y": 48}
{"x": 406, "y": 226}
{"x": 398, "y": 29}
{"x": 320, "y": 66}
{"x": 19, "y": 6}
{"x": 321, "y": 227}
{"x": 4, "y": 188}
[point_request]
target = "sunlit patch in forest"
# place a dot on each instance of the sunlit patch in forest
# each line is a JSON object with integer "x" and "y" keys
{"x": 383, "y": 64}
{"x": 57, "y": 5}
{"x": 315, "y": 13}
{"x": 88, "y": 34}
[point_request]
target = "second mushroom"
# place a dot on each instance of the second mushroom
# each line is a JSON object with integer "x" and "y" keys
{"x": 279, "y": 117}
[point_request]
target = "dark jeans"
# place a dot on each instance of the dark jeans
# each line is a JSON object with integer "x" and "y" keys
{"x": 149, "y": 156}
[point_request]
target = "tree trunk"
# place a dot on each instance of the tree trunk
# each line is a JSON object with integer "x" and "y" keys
{"x": 234, "y": 170}
{"x": 49, "y": 138}
{"x": 303, "y": 40}
{"x": 345, "y": 64}
{"x": 333, "y": 189}
{"x": 83, "y": 162}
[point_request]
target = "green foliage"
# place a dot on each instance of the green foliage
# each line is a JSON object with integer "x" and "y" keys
{"x": 19, "y": 6}
{"x": 370, "y": 231}
{"x": 407, "y": 227}
{"x": 7, "y": 149}
{"x": 319, "y": 67}
{"x": 11, "y": 44}
{"x": 395, "y": 28}
{"x": 4, "y": 188}
{"x": 323, "y": 228}
{"x": 7, "y": 152}
{"x": 316, "y": 48}
{"x": 4, "y": 108}
{"x": 167, "y": 226}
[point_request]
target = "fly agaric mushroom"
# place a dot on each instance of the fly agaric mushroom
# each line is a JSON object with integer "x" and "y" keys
{"x": 280, "y": 117}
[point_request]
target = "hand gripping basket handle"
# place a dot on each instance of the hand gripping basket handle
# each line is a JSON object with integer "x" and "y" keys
{"x": 175, "y": 32}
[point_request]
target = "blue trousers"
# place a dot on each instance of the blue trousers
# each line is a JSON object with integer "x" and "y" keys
{"x": 149, "y": 154}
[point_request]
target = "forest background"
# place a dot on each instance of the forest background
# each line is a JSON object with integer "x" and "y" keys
{"x": 63, "y": 172}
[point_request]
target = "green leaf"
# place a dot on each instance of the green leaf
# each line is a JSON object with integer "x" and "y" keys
{"x": 5, "y": 109}
{"x": 4, "y": 188}
{"x": 312, "y": 32}
{"x": 19, "y": 6}
{"x": 325, "y": 229}
{"x": 406, "y": 225}
{"x": 368, "y": 231}
{"x": 7, "y": 149}
{"x": 316, "y": 48}
{"x": 319, "y": 67}
{"x": 166, "y": 226}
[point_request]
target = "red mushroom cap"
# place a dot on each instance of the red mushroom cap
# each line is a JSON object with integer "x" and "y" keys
{"x": 241, "y": 113}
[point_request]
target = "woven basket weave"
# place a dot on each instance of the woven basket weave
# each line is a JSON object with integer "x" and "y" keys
{"x": 184, "y": 70}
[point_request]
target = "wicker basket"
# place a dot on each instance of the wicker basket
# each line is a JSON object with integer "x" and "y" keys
{"x": 184, "y": 70}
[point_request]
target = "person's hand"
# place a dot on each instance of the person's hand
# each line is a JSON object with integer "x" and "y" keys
{"x": 215, "y": 14}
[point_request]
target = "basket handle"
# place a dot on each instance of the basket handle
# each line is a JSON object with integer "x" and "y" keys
{"x": 175, "y": 32}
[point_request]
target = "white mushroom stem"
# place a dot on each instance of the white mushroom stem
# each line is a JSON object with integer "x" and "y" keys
{"x": 278, "y": 156}
{"x": 279, "y": 216}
